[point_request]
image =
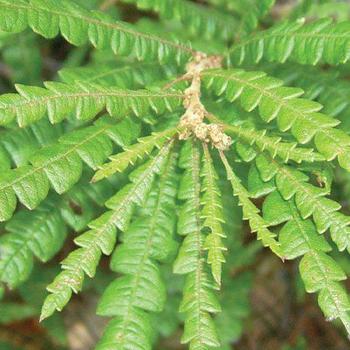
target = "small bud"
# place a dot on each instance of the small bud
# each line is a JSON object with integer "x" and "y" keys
{"x": 201, "y": 131}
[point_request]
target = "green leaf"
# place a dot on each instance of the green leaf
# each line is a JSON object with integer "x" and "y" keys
{"x": 144, "y": 243}
{"x": 310, "y": 200}
{"x": 213, "y": 216}
{"x": 257, "y": 10}
{"x": 61, "y": 164}
{"x": 320, "y": 41}
{"x": 145, "y": 145}
{"x": 313, "y": 269}
{"x": 40, "y": 233}
{"x": 79, "y": 26}
{"x": 20, "y": 144}
{"x": 297, "y": 236}
{"x": 136, "y": 332}
{"x": 101, "y": 237}
{"x": 275, "y": 145}
{"x": 256, "y": 186}
{"x": 124, "y": 76}
{"x": 250, "y": 211}
{"x": 208, "y": 22}
{"x": 320, "y": 273}
{"x": 83, "y": 100}
{"x": 302, "y": 116}
{"x": 198, "y": 297}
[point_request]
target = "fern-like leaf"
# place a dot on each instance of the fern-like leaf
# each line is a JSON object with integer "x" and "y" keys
{"x": 199, "y": 299}
{"x": 40, "y": 233}
{"x": 102, "y": 235}
{"x": 311, "y": 43}
{"x": 19, "y": 145}
{"x": 140, "y": 290}
{"x": 84, "y": 101}
{"x": 318, "y": 85}
{"x": 246, "y": 134}
{"x": 61, "y": 164}
{"x": 250, "y": 19}
{"x": 213, "y": 216}
{"x": 250, "y": 211}
{"x": 126, "y": 76}
{"x": 207, "y": 22}
{"x": 319, "y": 271}
{"x": 302, "y": 116}
{"x": 139, "y": 150}
{"x": 309, "y": 199}
{"x": 78, "y": 26}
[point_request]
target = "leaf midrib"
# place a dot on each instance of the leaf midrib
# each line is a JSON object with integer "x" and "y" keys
{"x": 54, "y": 159}
{"x": 114, "y": 26}
{"x": 282, "y": 102}
{"x": 290, "y": 35}
{"x": 44, "y": 99}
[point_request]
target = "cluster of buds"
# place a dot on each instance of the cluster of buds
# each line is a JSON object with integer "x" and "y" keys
{"x": 192, "y": 120}
{"x": 218, "y": 138}
{"x": 212, "y": 133}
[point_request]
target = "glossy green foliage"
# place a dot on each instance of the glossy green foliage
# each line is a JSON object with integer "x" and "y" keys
{"x": 18, "y": 145}
{"x": 60, "y": 165}
{"x": 148, "y": 240}
{"x": 318, "y": 85}
{"x": 207, "y": 22}
{"x": 320, "y": 273}
{"x": 199, "y": 299}
{"x": 153, "y": 151}
{"x": 102, "y": 235}
{"x": 246, "y": 134}
{"x": 126, "y": 76}
{"x": 300, "y": 116}
{"x": 78, "y": 25}
{"x": 23, "y": 60}
{"x": 139, "y": 150}
{"x": 310, "y": 43}
{"x": 310, "y": 199}
{"x": 213, "y": 216}
{"x": 79, "y": 204}
{"x": 320, "y": 9}
{"x": 83, "y": 100}
{"x": 251, "y": 212}
{"x": 40, "y": 234}
{"x": 240, "y": 7}
{"x": 250, "y": 19}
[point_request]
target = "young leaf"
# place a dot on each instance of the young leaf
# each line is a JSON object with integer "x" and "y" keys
{"x": 199, "y": 299}
{"x": 250, "y": 211}
{"x": 213, "y": 216}
{"x": 102, "y": 235}
{"x": 145, "y": 145}
{"x": 276, "y": 147}
{"x": 148, "y": 240}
